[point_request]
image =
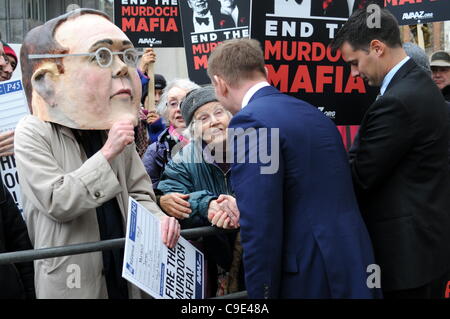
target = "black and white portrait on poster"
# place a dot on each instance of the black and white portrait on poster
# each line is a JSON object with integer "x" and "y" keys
{"x": 206, "y": 23}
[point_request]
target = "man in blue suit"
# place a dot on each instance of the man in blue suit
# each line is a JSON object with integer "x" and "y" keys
{"x": 301, "y": 230}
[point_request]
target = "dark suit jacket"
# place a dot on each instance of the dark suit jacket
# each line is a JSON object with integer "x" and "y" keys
{"x": 16, "y": 280}
{"x": 301, "y": 230}
{"x": 400, "y": 173}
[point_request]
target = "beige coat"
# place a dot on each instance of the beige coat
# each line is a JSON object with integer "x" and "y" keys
{"x": 61, "y": 189}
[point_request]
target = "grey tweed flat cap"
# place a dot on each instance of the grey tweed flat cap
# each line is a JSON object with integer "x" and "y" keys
{"x": 196, "y": 99}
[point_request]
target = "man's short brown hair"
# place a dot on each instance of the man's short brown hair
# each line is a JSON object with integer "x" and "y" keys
{"x": 236, "y": 60}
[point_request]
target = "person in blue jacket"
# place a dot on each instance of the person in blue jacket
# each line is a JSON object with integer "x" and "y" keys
{"x": 301, "y": 230}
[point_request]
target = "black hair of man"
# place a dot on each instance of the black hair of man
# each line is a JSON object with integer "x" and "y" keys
{"x": 359, "y": 31}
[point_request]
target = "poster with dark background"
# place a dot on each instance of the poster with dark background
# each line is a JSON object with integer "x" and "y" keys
{"x": 295, "y": 36}
{"x": 206, "y": 23}
{"x": 150, "y": 23}
{"x": 419, "y": 11}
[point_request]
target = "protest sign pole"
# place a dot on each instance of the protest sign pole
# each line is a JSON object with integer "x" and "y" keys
{"x": 150, "y": 105}
{"x": 420, "y": 39}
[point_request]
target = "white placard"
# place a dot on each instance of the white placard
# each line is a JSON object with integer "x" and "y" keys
{"x": 161, "y": 272}
{"x": 13, "y": 106}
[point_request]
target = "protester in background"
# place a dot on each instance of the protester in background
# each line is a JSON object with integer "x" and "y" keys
{"x": 200, "y": 172}
{"x": 12, "y": 60}
{"x": 6, "y": 68}
{"x": 76, "y": 178}
{"x": 298, "y": 242}
{"x": 440, "y": 66}
{"x": 16, "y": 280}
{"x": 400, "y": 167}
{"x": 159, "y": 153}
{"x": 6, "y": 138}
{"x": 155, "y": 123}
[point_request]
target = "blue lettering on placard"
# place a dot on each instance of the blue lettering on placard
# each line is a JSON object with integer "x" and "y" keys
{"x": 13, "y": 87}
{"x": 198, "y": 275}
{"x": 130, "y": 269}
{"x": 161, "y": 282}
{"x": 133, "y": 221}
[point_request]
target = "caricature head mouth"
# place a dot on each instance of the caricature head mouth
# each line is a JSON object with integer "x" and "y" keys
{"x": 122, "y": 93}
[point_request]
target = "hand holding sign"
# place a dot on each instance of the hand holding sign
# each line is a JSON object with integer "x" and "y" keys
{"x": 147, "y": 67}
{"x": 7, "y": 143}
{"x": 170, "y": 231}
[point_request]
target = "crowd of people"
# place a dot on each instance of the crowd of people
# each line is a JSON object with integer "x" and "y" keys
{"x": 308, "y": 229}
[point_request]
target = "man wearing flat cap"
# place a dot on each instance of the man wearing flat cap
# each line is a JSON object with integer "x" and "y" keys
{"x": 440, "y": 66}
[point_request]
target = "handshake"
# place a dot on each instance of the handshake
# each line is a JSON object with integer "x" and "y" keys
{"x": 224, "y": 213}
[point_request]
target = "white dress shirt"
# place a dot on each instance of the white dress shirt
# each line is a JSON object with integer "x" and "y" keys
{"x": 255, "y": 88}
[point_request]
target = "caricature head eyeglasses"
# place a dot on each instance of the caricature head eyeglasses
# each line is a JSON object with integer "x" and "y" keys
{"x": 103, "y": 56}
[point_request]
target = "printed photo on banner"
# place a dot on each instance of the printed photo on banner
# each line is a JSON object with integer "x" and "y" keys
{"x": 163, "y": 273}
{"x": 205, "y": 24}
{"x": 317, "y": 8}
{"x": 295, "y": 36}
{"x": 150, "y": 23}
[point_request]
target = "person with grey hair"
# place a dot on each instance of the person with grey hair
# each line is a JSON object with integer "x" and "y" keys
{"x": 159, "y": 153}
{"x": 418, "y": 55}
{"x": 200, "y": 172}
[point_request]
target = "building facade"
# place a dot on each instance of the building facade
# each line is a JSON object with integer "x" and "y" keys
{"x": 17, "y": 17}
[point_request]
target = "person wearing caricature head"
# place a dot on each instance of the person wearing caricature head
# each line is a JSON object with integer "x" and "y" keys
{"x": 76, "y": 157}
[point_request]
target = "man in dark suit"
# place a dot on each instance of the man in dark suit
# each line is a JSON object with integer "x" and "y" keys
{"x": 400, "y": 169}
{"x": 301, "y": 230}
{"x": 206, "y": 17}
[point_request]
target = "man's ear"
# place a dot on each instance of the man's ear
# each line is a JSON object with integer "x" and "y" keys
{"x": 221, "y": 85}
{"x": 267, "y": 72}
{"x": 378, "y": 46}
{"x": 44, "y": 81}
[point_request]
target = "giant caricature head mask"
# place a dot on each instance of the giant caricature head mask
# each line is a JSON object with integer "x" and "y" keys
{"x": 67, "y": 83}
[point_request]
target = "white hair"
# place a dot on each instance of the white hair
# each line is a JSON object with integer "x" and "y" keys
{"x": 184, "y": 84}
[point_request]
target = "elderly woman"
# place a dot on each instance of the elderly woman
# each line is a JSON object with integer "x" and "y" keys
{"x": 199, "y": 172}
{"x": 160, "y": 152}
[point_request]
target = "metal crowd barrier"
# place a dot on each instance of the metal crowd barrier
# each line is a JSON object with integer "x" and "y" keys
{"x": 36, "y": 254}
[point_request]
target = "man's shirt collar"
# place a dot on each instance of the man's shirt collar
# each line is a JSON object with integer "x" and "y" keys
{"x": 255, "y": 88}
{"x": 388, "y": 78}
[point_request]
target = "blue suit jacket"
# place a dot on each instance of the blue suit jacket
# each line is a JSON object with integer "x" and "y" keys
{"x": 302, "y": 233}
